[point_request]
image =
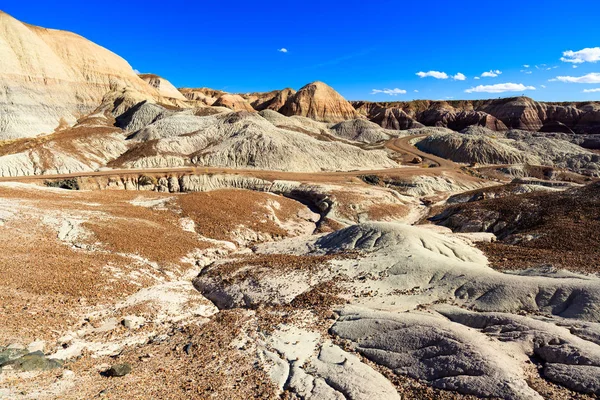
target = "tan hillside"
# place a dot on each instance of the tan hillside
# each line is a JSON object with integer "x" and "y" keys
{"x": 319, "y": 102}
{"x": 49, "y": 75}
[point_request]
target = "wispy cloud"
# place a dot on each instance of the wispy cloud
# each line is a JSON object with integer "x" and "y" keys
{"x": 590, "y": 54}
{"x": 441, "y": 75}
{"x": 500, "y": 88}
{"x": 391, "y": 92}
{"x": 491, "y": 74}
{"x": 525, "y": 65}
{"x": 593, "y": 77}
{"x": 478, "y": 78}
{"x": 282, "y": 50}
{"x": 433, "y": 74}
{"x": 596, "y": 90}
{"x": 543, "y": 86}
{"x": 416, "y": 91}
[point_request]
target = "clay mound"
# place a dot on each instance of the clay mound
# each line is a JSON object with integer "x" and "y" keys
{"x": 234, "y": 102}
{"x": 375, "y": 236}
{"x": 556, "y": 152}
{"x": 163, "y": 86}
{"x": 241, "y": 140}
{"x": 319, "y": 102}
{"x": 141, "y": 115}
{"x": 471, "y": 149}
{"x": 395, "y": 118}
{"x": 50, "y": 75}
{"x": 360, "y": 130}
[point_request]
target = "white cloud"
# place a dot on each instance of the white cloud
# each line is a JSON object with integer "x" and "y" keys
{"x": 478, "y": 78}
{"x": 500, "y": 88}
{"x": 575, "y": 66}
{"x": 525, "y": 65}
{"x": 282, "y": 50}
{"x": 543, "y": 86}
{"x": 459, "y": 77}
{"x": 526, "y": 72}
{"x": 416, "y": 91}
{"x": 596, "y": 90}
{"x": 593, "y": 77}
{"x": 449, "y": 97}
{"x": 491, "y": 74}
{"x": 581, "y": 56}
{"x": 433, "y": 74}
{"x": 391, "y": 92}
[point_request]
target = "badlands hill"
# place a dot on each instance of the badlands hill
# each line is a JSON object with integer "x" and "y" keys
{"x": 49, "y": 78}
{"x": 319, "y": 102}
{"x": 498, "y": 114}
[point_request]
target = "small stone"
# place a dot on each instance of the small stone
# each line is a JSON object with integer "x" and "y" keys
{"x": 68, "y": 374}
{"x": 118, "y": 370}
{"x": 35, "y": 361}
{"x": 133, "y": 321}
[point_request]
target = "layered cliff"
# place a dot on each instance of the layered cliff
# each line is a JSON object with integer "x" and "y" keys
{"x": 498, "y": 114}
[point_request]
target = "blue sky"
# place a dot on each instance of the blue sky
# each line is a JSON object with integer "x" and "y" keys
{"x": 354, "y": 46}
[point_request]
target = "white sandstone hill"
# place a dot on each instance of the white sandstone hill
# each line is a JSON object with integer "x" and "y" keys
{"x": 50, "y": 77}
{"x": 235, "y": 140}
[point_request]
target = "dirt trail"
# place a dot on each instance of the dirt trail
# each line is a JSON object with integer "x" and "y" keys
{"x": 403, "y": 145}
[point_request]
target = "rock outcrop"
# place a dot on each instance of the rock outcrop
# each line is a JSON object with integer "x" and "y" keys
{"x": 278, "y": 100}
{"x": 319, "y": 102}
{"x": 395, "y": 118}
{"x": 50, "y": 77}
{"x": 202, "y": 96}
{"x": 164, "y": 88}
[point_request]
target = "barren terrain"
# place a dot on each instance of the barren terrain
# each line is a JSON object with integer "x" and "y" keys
{"x": 169, "y": 243}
